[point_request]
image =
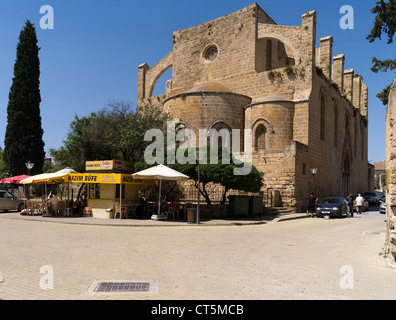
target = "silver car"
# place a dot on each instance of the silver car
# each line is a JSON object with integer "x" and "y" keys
{"x": 9, "y": 202}
{"x": 382, "y": 208}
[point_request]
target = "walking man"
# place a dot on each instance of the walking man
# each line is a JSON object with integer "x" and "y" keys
{"x": 359, "y": 204}
{"x": 349, "y": 201}
{"x": 311, "y": 201}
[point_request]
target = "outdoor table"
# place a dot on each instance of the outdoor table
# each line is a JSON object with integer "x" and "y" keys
{"x": 132, "y": 208}
{"x": 40, "y": 205}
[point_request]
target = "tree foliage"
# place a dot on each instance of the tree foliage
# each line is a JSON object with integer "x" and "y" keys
{"x": 114, "y": 132}
{"x": 385, "y": 22}
{"x": 24, "y": 133}
{"x": 221, "y": 172}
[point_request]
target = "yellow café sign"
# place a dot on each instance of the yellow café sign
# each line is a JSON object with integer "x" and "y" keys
{"x": 109, "y": 165}
{"x": 111, "y": 178}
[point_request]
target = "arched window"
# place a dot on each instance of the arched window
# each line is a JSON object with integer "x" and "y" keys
{"x": 260, "y": 137}
{"x": 363, "y": 146}
{"x": 355, "y": 140}
{"x": 322, "y": 118}
{"x": 220, "y": 133}
{"x": 336, "y": 125}
{"x": 272, "y": 54}
{"x": 180, "y": 129}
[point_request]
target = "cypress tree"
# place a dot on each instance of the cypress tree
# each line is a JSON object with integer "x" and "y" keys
{"x": 24, "y": 133}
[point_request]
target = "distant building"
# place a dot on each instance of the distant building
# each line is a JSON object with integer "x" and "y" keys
{"x": 380, "y": 175}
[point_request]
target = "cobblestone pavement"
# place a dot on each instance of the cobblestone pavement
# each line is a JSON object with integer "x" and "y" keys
{"x": 297, "y": 259}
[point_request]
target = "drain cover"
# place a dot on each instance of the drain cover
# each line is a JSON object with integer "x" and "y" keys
{"x": 114, "y": 287}
{"x": 123, "y": 287}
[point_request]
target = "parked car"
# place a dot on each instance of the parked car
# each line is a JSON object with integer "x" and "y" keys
{"x": 382, "y": 196}
{"x": 9, "y": 202}
{"x": 372, "y": 197}
{"x": 331, "y": 207}
{"x": 382, "y": 208}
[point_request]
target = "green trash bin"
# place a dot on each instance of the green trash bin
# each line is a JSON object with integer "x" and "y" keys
{"x": 239, "y": 205}
{"x": 255, "y": 205}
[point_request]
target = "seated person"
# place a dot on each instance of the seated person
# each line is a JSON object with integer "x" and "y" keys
{"x": 140, "y": 209}
{"x": 55, "y": 205}
{"x": 164, "y": 207}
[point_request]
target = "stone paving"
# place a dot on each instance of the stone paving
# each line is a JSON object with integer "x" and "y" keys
{"x": 294, "y": 259}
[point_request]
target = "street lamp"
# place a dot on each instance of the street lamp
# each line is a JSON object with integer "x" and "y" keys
{"x": 29, "y": 166}
{"x": 199, "y": 182}
{"x": 314, "y": 171}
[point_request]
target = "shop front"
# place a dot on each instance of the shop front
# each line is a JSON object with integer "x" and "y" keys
{"x": 105, "y": 191}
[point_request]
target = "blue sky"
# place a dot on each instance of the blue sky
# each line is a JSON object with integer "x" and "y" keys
{"x": 92, "y": 54}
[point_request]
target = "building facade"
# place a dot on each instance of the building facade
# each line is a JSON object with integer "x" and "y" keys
{"x": 303, "y": 110}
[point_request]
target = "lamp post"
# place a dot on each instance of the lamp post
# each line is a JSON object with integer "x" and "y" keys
{"x": 199, "y": 182}
{"x": 314, "y": 171}
{"x": 29, "y": 166}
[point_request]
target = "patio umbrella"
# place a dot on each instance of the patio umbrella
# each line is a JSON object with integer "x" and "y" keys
{"x": 56, "y": 177}
{"x": 160, "y": 173}
{"x": 49, "y": 178}
{"x": 16, "y": 179}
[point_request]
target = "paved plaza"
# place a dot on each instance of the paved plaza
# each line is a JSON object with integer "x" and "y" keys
{"x": 295, "y": 259}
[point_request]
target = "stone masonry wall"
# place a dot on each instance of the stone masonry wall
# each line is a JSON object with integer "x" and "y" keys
{"x": 315, "y": 112}
{"x": 391, "y": 175}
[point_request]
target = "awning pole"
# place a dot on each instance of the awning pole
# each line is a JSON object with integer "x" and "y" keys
{"x": 64, "y": 212}
{"x": 159, "y": 200}
{"x": 120, "y": 201}
{"x": 46, "y": 200}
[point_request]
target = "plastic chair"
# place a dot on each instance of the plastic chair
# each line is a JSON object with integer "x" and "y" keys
{"x": 29, "y": 207}
{"x": 171, "y": 211}
{"x": 176, "y": 211}
{"x": 121, "y": 211}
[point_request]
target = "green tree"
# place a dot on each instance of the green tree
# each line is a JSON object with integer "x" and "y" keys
{"x": 221, "y": 172}
{"x": 385, "y": 22}
{"x": 114, "y": 132}
{"x": 23, "y": 137}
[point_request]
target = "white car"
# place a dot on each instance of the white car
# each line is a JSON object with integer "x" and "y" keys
{"x": 9, "y": 202}
{"x": 382, "y": 208}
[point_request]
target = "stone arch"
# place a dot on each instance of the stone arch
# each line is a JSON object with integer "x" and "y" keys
{"x": 258, "y": 130}
{"x": 322, "y": 99}
{"x": 158, "y": 75}
{"x": 336, "y": 122}
{"x": 263, "y": 35}
{"x": 153, "y": 74}
{"x": 220, "y": 123}
{"x": 223, "y": 132}
{"x": 180, "y": 125}
{"x": 347, "y": 163}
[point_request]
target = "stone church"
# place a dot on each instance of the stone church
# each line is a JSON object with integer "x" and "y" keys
{"x": 243, "y": 71}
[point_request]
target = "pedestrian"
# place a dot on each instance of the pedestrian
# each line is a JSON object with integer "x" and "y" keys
{"x": 311, "y": 201}
{"x": 349, "y": 201}
{"x": 359, "y": 204}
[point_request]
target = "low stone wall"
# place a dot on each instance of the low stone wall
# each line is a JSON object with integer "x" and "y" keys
{"x": 217, "y": 211}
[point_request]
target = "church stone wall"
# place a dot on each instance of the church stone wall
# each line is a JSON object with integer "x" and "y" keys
{"x": 245, "y": 71}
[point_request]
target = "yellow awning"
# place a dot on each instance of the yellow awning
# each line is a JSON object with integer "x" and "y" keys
{"x": 56, "y": 177}
{"x": 110, "y": 178}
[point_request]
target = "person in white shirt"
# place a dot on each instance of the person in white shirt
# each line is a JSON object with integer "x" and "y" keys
{"x": 359, "y": 204}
